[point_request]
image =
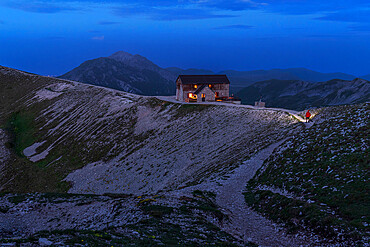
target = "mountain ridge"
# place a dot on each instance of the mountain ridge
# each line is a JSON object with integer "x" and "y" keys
{"x": 299, "y": 95}
{"x": 161, "y": 81}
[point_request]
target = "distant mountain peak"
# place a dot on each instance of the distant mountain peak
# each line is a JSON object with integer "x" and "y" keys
{"x": 121, "y": 54}
{"x": 126, "y": 57}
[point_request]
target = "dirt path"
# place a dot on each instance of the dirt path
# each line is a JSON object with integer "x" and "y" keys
{"x": 245, "y": 223}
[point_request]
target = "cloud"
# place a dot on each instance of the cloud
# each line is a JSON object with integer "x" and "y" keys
{"x": 108, "y": 22}
{"x": 305, "y": 7}
{"x": 351, "y": 15}
{"x": 359, "y": 28}
{"x": 38, "y": 6}
{"x": 171, "y": 14}
{"x": 55, "y": 38}
{"x": 169, "y": 10}
{"x": 234, "y": 5}
{"x": 237, "y": 26}
{"x": 98, "y": 38}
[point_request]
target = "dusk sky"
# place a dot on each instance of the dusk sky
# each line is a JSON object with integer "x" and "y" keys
{"x": 51, "y": 37}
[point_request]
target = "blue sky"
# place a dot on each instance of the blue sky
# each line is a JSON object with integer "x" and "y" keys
{"x": 50, "y": 37}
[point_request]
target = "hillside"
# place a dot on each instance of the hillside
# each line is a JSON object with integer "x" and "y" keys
{"x": 300, "y": 95}
{"x": 140, "y": 170}
{"x": 319, "y": 178}
{"x": 64, "y": 136}
{"x": 126, "y": 72}
{"x": 123, "y": 142}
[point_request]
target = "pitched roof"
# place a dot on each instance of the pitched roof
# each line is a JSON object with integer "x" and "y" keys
{"x": 204, "y": 79}
{"x": 200, "y": 89}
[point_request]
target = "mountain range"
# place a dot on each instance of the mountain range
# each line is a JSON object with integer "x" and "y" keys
{"x": 137, "y": 74}
{"x": 300, "y": 95}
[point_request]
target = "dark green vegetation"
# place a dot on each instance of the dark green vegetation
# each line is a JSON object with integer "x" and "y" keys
{"x": 161, "y": 224}
{"x": 21, "y": 126}
{"x": 300, "y": 95}
{"x": 325, "y": 171}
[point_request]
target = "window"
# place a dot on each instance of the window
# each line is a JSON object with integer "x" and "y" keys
{"x": 192, "y": 96}
{"x": 203, "y": 95}
{"x": 210, "y": 85}
{"x": 217, "y": 94}
{"x": 195, "y": 86}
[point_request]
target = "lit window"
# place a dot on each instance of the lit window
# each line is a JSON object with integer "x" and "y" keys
{"x": 203, "y": 95}
{"x": 192, "y": 96}
{"x": 209, "y": 85}
{"x": 195, "y": 86}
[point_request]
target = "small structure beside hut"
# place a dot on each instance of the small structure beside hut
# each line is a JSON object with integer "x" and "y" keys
{"x": 202, "y": 88}
{"x": 259, "y": 103}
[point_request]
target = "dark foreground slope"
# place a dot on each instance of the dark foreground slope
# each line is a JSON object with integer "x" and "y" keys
{"x": 319, "y": 179}
{"x": 300, "y": 95}
{"x": 111, "y": 220}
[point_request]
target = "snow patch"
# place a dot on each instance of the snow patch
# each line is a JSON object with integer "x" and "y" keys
{"x": 52, "y": 91}
{"x": 40, "y": 156}
{"x": 31, "y": 150}
{"x": 45, "y": 94}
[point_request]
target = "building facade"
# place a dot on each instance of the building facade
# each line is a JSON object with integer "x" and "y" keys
{"x": 202, "y": 88}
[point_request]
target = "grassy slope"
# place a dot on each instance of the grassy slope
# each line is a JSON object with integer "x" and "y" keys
{"x": 325, "y": 171}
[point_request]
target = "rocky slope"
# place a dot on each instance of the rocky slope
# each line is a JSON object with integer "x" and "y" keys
{"x": 111, "y": 220}
{"x": 148, "y": 171}
{"x": 300, "y": 95}
{"x": 319, "y": 179}
{"x": 60, "y": 136}
{"x": 85, "y": 139}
